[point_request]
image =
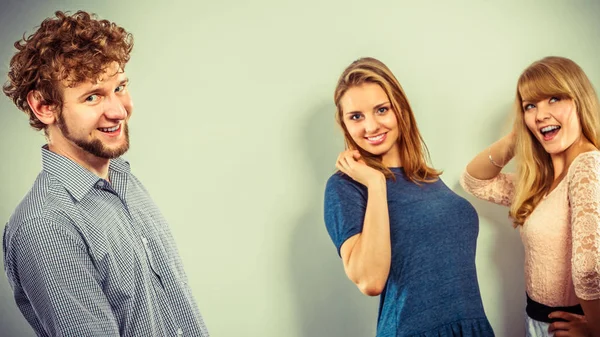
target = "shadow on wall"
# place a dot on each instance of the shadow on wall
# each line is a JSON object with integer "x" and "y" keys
{"x": 329, "y": 304}
{"x": 506, "y": 252}
{"x": 506, "y": 255}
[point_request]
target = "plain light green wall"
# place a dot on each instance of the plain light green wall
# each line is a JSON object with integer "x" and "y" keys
{"x": 233, "y": 134}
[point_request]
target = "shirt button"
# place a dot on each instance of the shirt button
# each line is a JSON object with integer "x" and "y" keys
{"x": 145, "y": 241}
{"x": 100, "y": 184}
{"x": 179, "y": 332}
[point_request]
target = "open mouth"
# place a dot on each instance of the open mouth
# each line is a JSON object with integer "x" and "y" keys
{"x": 376, "y": 140}
{"x": 548, "y": 132}
{"x": 114, "y": 129}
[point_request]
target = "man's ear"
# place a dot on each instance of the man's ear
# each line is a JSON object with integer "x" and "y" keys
{"x": 44, "y": 112}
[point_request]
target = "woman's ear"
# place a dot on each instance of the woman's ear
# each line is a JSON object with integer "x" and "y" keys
{"x": 44, "y": 112}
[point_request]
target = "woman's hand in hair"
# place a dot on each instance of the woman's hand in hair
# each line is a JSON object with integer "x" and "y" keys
{"x": 367, "y": 256}
{"x": 350, "y": 163}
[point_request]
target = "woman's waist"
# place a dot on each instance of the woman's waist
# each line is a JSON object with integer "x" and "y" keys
{"x": 552, "y": 295}
{"x": 540, "y": 311}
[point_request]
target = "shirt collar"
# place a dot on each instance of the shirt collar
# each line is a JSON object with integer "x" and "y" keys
{"x": 76, "y": 179}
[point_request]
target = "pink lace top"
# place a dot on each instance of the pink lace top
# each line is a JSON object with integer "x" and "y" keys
{"x": 561, "y": 236}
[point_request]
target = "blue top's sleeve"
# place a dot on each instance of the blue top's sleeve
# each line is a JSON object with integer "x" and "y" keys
{"x": 56, "y": 278}
{"x": 345, "y": 206}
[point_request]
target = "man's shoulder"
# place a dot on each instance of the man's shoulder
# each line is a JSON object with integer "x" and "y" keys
{"x": 45, "y": 198}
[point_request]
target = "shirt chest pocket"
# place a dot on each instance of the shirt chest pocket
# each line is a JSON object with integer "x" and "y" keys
{"x": 158, "y": 261}
{"x": 158, "y": 246}
{"x": 162, "y": 264}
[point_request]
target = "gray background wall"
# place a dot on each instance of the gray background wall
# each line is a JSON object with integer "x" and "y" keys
{"x": 233, "y": 134}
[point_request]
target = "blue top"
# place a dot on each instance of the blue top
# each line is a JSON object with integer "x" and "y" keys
{"x": 432, "y": 287}
{"x": 89, "y": 257}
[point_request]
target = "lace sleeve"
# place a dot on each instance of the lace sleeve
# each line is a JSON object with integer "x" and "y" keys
{"x": 584, "y": 200}
{"x": 499, "y": 190}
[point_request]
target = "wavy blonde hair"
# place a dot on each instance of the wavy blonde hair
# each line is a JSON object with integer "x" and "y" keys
{"x": 413, "y": 151}
{"x": 549, "y": 77}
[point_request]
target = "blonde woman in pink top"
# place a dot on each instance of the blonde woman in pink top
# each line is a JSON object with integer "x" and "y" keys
{"x": 554, "y": 197}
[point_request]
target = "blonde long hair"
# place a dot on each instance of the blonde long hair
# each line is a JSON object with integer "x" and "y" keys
{"x": 550, "y": 76}
{"x": 413, "y": 151}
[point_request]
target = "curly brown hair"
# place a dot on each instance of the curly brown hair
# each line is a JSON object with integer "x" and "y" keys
{"x": 65, "y": 50}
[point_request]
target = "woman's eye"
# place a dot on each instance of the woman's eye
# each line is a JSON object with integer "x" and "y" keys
{"x": 382, "y": 110}
{"x": 92, "y": 98}
{"x": 553, "y": 99}
{"x": 355, "y": 117}
{"x": 528, "y": 107}
{"x": 120, "y": 88}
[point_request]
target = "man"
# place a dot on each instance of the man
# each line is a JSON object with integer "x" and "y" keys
{"x": 87, "y": 252}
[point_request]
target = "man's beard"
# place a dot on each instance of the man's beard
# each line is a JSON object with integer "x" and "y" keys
{"x": 95, "y": 146}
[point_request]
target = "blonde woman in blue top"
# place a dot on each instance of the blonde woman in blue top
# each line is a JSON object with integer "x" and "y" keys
{"x": 400, "y": 231}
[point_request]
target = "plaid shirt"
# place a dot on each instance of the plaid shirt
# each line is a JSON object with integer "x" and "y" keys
{"x": 86, "y": 257}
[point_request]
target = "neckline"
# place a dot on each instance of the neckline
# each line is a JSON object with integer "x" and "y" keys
{"x": 567, "y": 174}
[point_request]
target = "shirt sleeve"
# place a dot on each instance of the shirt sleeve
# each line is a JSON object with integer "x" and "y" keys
{"x": 345, "y": 207}
{"x": 499, "y": 190}
{"x": 56, "y": 284}
{"x": 584, "y": 200}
